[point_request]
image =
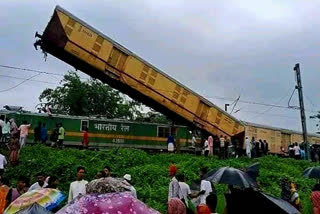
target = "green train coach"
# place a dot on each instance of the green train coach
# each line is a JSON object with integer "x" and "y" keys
{"x": 106, "y": 132}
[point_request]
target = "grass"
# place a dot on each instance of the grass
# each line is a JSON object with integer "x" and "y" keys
{"x": 149, "y": 172}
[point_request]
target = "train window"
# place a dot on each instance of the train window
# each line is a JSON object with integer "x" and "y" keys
{"x": 84, "y": 124}
{"x": 163, "y": 131}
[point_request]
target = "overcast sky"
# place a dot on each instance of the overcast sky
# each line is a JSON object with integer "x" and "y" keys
{"x": 220, "y": 49}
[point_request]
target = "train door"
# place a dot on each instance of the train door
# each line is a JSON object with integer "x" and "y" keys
{"x": 285, "y": 140}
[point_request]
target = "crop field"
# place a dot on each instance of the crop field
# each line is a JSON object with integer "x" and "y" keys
{"x": 150, "y": 172}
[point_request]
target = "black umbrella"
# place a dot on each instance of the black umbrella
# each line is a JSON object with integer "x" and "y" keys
{"x": 232, "y": 176}
{"x": 312, "y": 172}
{"x": 253, "y": 171}
{"x": 276, "y": 205}
{"x": 34, "y": 209}
{"x": 195, "y": 185}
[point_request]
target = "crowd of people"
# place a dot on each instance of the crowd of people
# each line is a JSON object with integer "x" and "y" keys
{"x": 15, "y": 137}
{"x": 256, "y": 148}
{"x": 78, "y": 187}
{"x": 181, "y": 200}
{"x": 221, "y": 146}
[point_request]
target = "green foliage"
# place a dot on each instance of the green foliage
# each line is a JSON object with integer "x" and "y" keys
{"x": 92, "y": 97}
{"x": 149, "y": 172}
{"x": 153, "y": 117}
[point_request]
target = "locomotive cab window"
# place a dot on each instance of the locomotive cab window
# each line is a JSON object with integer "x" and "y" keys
{"x": 84, "y": 124}
{"x": 163, "y": 131}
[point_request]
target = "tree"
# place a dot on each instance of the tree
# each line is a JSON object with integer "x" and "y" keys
{"x": 88, "y": 98}
{"x": 153, "y": 117}
{"x": 317, "y": 116}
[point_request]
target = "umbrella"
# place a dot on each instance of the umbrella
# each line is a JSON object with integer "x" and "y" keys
{"x": 195, "y": 185}
{"x": 253, "y": 171}
{"x": 276, "y": 205}
{"x": 257, "y": 202}
{"x": 112, "y": 203}
{"x": 34, "y": 209}
{"x": 312, "y": 172}
{"x": 107, "y": 185}
{"x": 48, "y": 198}
{"x": 232, "y": 176}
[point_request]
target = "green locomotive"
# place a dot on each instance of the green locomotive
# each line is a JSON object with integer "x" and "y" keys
{"x": 105, "y": 132}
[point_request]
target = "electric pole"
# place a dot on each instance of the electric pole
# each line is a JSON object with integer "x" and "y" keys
{"x": 302, "y": 112}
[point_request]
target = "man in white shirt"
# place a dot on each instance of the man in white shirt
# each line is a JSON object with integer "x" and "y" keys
{"x": 222, "y": 147}
{"x": 3, "y": 163}
{"x": 185, "y": 191}
{"x": 127, "y": 177}
{"x": 5, "y": 130}
{"x": 78, "y": 187}
{"x": 174, "y": 184}
{"x": 205, "y": 187}
{"x": 193, "y": 141}
{"x": 40, "y": 184}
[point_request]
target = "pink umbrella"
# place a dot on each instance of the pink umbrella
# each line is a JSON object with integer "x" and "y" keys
{"x": 109, "y": 203}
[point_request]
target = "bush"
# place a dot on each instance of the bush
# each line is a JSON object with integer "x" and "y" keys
{"x": 150, "y": 172}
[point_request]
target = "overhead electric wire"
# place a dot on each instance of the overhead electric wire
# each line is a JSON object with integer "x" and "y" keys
{"x": 273, "y": 115}
{"x": 33, "y": 70}
{"x": 20, "y": 78}
{"x": 209, "y": 97}
{"x": 27, "y": 69}
{"x": 13, "y": 87}
{"x": 295, "y": 107}
{"x": 271, "y": 107}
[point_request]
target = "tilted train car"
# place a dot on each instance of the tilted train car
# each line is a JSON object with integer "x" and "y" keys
{"x": 106, "y": 132}
{"x": 80, "y": 45}
{"x": 277, "y": 137}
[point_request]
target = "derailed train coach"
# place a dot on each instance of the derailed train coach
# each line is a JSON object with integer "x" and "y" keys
{"x": 277, "y": 137}
{"x": 77, "y": 43}
{"x": 104, "y": 133}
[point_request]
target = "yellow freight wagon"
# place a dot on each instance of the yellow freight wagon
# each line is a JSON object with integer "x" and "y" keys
{"x": 75, "y": 42}
{"x": 276, "y": 137}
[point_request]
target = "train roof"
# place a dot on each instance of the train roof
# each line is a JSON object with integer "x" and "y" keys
{"x": 283, "y": 130}
{"x": 128, "y": 52}
{"x": 104, "y": 119}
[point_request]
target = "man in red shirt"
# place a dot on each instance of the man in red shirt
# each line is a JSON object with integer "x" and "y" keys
{"x": 85, "y": 140}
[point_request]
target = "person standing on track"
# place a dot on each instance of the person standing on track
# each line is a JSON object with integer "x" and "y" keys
{"x": 61, "y": 135}
{"x": 248, "y": 147}
{"x": 85, "y": 140}
{"x": 210, "y": 142}
{"x": 222, "y": 147}
{"x": 44, "y": 134}
{"x": 24, "y": 129}
{"x": 5, "y": 130}
{"x": 37, "y": 133}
